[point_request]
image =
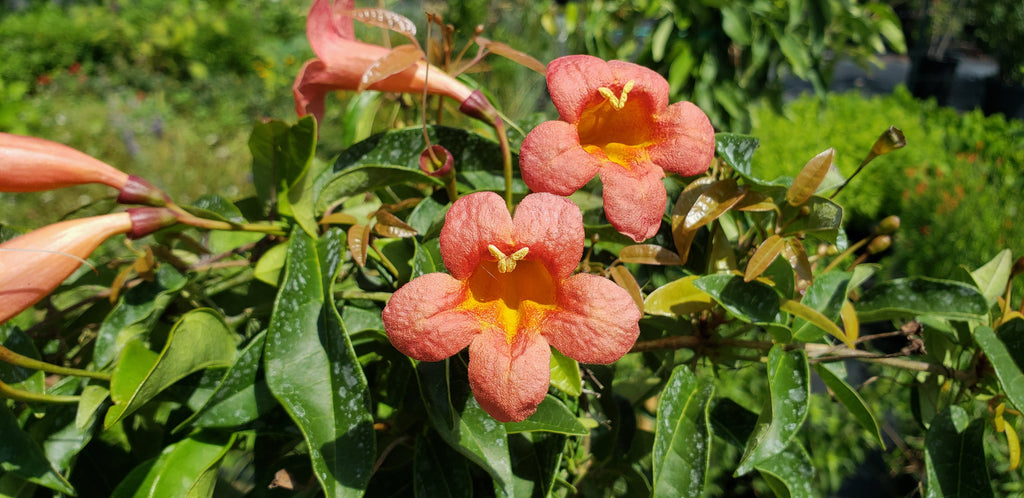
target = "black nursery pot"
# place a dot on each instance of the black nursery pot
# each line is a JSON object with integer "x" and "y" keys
{"x": 1003, "y": 97}
{"x": 932, "y": 78}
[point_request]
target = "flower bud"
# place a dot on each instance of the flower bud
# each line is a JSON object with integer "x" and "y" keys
{"x": 428, "y": 165}
{"x": 879, "y": 244}
{"x": 890, "y": 140}
{"x": 146, "y": 220}
{"x": 888, "y": 225}
{"x": 30, "y": 164}
{"x": 34, "y": 264}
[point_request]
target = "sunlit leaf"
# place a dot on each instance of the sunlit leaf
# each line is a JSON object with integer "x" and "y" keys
{"x": 565, "y": 373}
{"x": 678, "y": 298}
{"x": 991, "y": 278}
{"x": 796, "y": 255}
{"x": 339, "y": 219}
{"x": 763, "y": 256}
{"x": 381, "y": 18}
{"x": 812, "y": 316}
{"x": 512, "y": 54}
{"x": 20, "y": 455}
{"x": 551, "y": 416}
{"x": 362, "y": 179}
{"x": 810, "y": 177}
{"x": 784, "y": 411}
{"x": 681, "y": 236}
{"x": 682, "y": 437}
{"x": 752, "y": 302}
{"x": 756, "y": 201}
{"x": 648, "y": 254}
{"x": 910, "y": 297}
{"x": 388, "y": 225}
{"x": 395, "y": 61}
{"x": 712, "y": 203}
{"x": 790, "y": 474}
{"x": 198, "y": 341}
{"x": 851, "y": 323}
{"x": 313, "y": 371}
{"x": 722, "y": 257}
{"x": 826, "y": 295}
{"x": 822, "y": 220}
{"x": 268, "y": 268}
{"x": 737, "y": 151}
{"x": 178, "y": 470}
{"x": 1007, "y": 369}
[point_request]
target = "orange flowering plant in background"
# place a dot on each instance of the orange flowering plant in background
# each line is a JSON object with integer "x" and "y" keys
{"x": 434, "y": 313}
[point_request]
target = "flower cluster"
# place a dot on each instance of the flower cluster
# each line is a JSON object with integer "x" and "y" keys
{"x": 34, "y": 264}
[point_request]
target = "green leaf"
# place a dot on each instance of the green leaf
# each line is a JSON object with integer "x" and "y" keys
{"x": 660, "y": 38}
{"x": 910, "y": 297}
{"x": 21, "y": 456}
{"x": 752, "y": 302}
{"x": 465, "y": 426}
{"x": 136, "y": 311}
{"x": 677, "y": 298}
{"x": 92, "y": 399}
{"x": 991, "y": 278}
{"x": 268, "y": 268}
{"x": 361, "y": 179}
{"x": 240, "y": 397}
{"x": 810, "y": 177}
{"x": 737, "y": 151}
{"x": 281, "y": 158}
{"x": 178, "y": 470}
{"x": 784, "y": 410}
{"x": 790, "y": 473}
{"x": 312, "y": 370}
{"x": 850, "y": 399}
{"x": 551, "y": 416}
{"x": 1008, "y": 371}
{"x": 423, "y": 261}
{"x": 822, "y": 220}
{"x": 682, "y": 438}
{"x": 437, "y": 470}
{"x": 826, "y": 295}
{"x": 536, "y": 457}
{"x": 565, "y": 373}
{"x": 955, "y": 456}
{"x": 199, "y": 340}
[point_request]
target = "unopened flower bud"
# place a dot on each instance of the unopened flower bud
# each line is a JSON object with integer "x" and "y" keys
{"x": 30, "y": 164}
{"x": 437, "y": 161}
{"x": 34, "y": 264}
{"x": 138, "y": 191}
{"x": 146, "y": 220}
{"x": 477, "y": 106}
{"x": 888, "y": 225}
{"x": 879, "y": 244}
{"x": 889, "y": 141}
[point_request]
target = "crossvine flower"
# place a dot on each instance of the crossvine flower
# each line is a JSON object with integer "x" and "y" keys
{"x": 343, "y": 62}
{"x": 616, "y": 122}
{"x": 510, "y": 296}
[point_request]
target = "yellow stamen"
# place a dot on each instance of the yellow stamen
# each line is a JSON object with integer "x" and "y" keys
{"x": 507, "y": 263}
{"x": 617, "y": 102}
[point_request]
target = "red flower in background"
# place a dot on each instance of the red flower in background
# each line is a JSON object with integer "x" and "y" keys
{"x": 616, "y": 122}
{"x": 510, "y": 296}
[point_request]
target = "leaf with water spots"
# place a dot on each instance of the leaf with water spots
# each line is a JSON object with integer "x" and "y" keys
{"x": 752, "y": 302}
{"x": 199, "y": 340}
{"x": 551, "y": 416}
{"x": 784, "y": 411}
{"x": 682, "y": 438}
{"x": 312, "y": 369}
{"x": 955, "y": 456}
{"x": 790, "y": 474}
{"x": 911, "y": 297}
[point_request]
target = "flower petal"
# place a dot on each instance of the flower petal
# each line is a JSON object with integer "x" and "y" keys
{"x": 422, "y": 321}
{"x": 598, "y": 322}
{"x": 684, "y": 141}
{"x": 474, "y": 222}
{"x": 551, "y": 159}
{"x": 311, "y": 87}
{"x": 552, "y": 227}
{"x": 509, "y": 380}
{"x": 325, "y": 29}
{"x": 573, "y": 82}
{"x": 634, "y": 200}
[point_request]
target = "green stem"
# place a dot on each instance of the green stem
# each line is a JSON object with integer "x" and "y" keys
{"x": 8, "y": 356}
{"x": 9, "y": 392}
{"x": 192, "y": 220}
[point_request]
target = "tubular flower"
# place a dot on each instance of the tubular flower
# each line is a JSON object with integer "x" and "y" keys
{"x": 34, "y": 264}
{"x": 616, "y": 122}
{"x": 30, "y": 164}
{"x": 342, "y": 61}
{"x": 510, "y": 295}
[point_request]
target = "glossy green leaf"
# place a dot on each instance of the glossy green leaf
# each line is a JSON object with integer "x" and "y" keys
{"x": 136, "y": 311}
{"x": 910, "y": 297}
{"x": 677, "y": 298}
{"x": 752, "y": 302}
{"x": 790, "y": 473}
{"x": 178, "y": 469}
{"x": 359, "y": 320}
{"x": 423, "y": 261}
{"x": 21, "y": 456}
{"x": 551, "y": 416}
{"x": 281, "y": 158}
{"x": 826, "y": 295}
{"x": 26, "y": 379}
{"x": 682, "y": 437}
{"x": 565, "y": 373}
{"x": 991, "y": 278}
{"x": 361, "y": 179}
{"x": 240, "y": 397}
{"x": 737, "y": 151}
{"x": 461, "y": 422}
{"x": 784, "y": 411}
{"x": 823, "y": 219}
{"x": 199, "y": 340}
{"x": 428, "y": 216}
{"x": 1007, "y": 369}
{"x": 92, "y": 398}
{"x": 536, "y": 458}
{"x": 312, "y": 370}
{"x": 955, "y": 456}
{"x": 437, "y": 470}
{"x": 268, "y": 268}
{"x": 812, "y": 316}
{"x": 850, "y": 399}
